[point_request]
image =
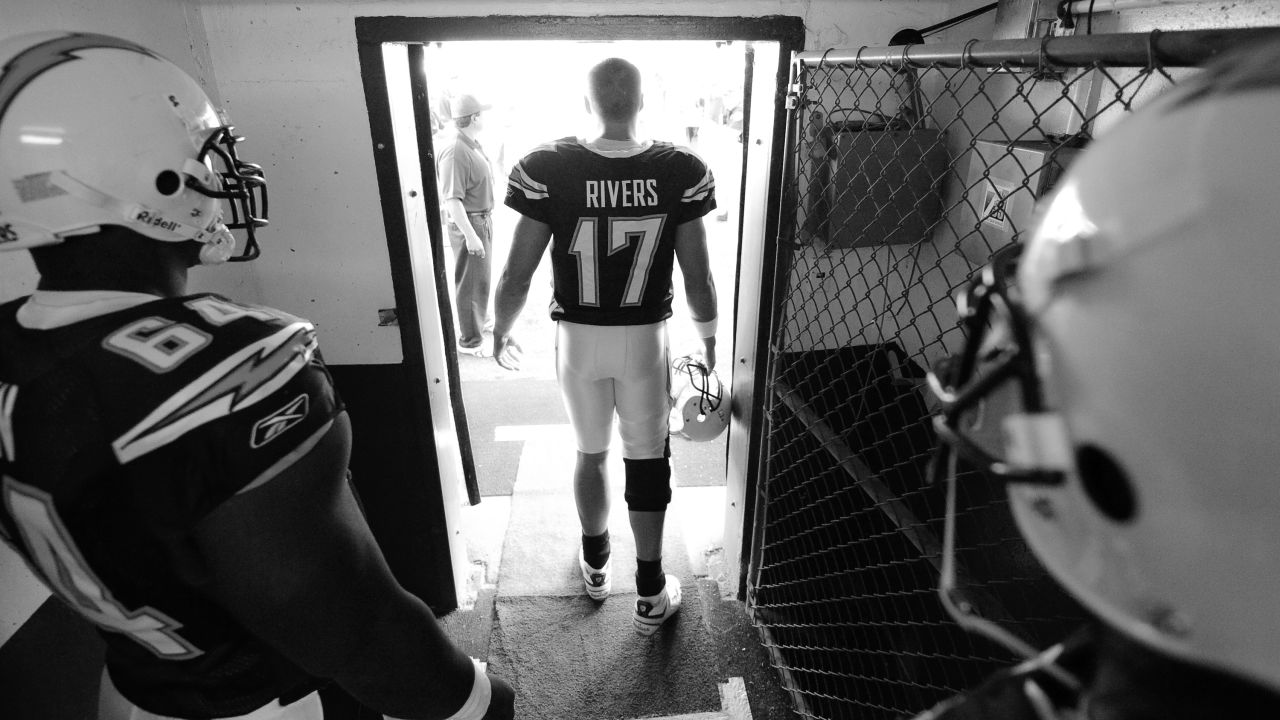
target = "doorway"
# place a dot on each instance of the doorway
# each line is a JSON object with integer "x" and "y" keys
{"x": 701, "y": 110}
{"x": 762, "y": 47}
{"x": 527, "y": 107}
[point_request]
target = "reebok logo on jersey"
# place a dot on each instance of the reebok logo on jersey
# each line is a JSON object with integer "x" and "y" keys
{"x": 273, "y": 426}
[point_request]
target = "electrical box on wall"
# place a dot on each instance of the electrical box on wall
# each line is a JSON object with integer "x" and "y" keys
{"x": 1005, "y": 181}
{"x": 886, "y": 187}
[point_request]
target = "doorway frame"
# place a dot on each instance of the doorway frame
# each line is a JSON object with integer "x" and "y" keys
{"x": 751, "y": 319}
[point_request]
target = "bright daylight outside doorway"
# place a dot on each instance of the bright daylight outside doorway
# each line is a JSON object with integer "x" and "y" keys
{"x": 693, "y": 95}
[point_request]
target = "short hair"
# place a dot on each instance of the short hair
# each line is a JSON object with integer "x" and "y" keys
{"x": 614, "y": 88}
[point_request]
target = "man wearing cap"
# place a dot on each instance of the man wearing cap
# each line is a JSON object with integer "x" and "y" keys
{"x": 466, "y": 194}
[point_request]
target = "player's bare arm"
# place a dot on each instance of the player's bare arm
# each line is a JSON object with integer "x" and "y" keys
{"x": 295, "y": 562}
{"x": 528, "y": 245}
{"x": 699, "y": 285}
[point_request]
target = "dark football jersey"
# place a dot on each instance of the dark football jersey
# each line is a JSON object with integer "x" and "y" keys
{"x": 118, "y": 433}
{"x": 613, "y": 218}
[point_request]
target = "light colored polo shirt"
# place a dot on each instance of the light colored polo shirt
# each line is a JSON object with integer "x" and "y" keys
{"x": 463, "y": 171}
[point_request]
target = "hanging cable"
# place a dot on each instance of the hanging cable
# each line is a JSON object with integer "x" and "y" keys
{"x": 939, "y": 27}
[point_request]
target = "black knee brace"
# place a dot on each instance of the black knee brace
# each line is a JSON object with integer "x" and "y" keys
{"x": 648, "y": 484}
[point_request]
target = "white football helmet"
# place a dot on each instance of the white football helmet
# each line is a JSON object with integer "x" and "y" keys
{"x": 699, "y": 403}
{"x": 1142, "y": 339}
{"x": 96, "y": 130}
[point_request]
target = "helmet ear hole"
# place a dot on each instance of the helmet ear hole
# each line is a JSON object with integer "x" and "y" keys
{"x": 168, "y": 183}
{"x": 1106, "y": 483}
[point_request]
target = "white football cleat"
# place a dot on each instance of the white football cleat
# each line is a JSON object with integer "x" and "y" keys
{"x": 653, "y": 610}
{"x": 597, "y": 582}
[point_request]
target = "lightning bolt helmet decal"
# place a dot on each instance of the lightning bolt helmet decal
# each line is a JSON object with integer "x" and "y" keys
{"x": 37, "y": 59}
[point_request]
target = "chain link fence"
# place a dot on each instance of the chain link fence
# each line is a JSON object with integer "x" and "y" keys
{"x": 908, "y": 168}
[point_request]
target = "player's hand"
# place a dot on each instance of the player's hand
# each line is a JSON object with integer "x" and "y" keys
{"x": 502, "y": 701}
{"x": 475, "y": 247}
{"x": 507, "y": 352}
{"x": 709, "y": 352}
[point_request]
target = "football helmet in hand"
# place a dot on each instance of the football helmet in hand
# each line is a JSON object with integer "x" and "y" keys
{"x": 700, "y": 404}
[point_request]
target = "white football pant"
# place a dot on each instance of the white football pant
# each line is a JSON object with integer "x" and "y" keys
{"x": 603, "y": 368}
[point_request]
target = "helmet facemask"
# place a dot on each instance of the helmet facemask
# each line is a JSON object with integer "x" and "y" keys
{"x": 242, "y": 185}
{"x": 998, "y": 351}
{"x": 1000, "y": 345}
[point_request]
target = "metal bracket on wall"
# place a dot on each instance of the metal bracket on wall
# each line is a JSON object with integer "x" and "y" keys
{"x": 1024, "y": 19}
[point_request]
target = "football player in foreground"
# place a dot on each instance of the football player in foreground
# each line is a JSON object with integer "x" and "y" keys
{"x": 1138, "y": 337}
{"x": 617, "y": 213}
{"x": 175, "y": 466}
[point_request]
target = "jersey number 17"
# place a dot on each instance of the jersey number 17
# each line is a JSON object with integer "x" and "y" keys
{"x": 644, "y": 231}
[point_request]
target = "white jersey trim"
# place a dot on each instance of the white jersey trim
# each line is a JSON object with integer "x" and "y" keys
{"x": 51, "y": 309}
{"x": 699, "y": 192}
{"x": 532, "y": 189}
{"x": 615, "y": 148}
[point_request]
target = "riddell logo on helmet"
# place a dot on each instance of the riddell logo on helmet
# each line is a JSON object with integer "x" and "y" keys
{"x": 149, "y": 218}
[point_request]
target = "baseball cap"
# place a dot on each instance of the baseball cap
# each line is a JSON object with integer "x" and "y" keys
{"x": 464, "y": 105}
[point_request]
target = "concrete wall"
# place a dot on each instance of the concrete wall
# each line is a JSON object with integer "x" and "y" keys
{"x": 173, "y": 29}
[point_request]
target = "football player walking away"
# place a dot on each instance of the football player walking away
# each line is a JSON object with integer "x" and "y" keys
{"x": 1136, "y": 337}
{"x": 617, "y": 213}
{"x": 175, "y": 466}
{"x": 466, "y": 192}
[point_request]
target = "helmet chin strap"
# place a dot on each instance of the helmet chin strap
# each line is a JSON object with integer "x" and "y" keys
{"x": 217, "y": 249}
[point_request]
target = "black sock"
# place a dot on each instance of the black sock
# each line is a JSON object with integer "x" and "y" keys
{"x": 650, "y": 580}
{"x": 595, "y": 549}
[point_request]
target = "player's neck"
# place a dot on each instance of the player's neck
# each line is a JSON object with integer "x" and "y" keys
{"x": 623, "y": 131}
{"x": 115, "y": 260}
{"x": 172, "y": 285}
